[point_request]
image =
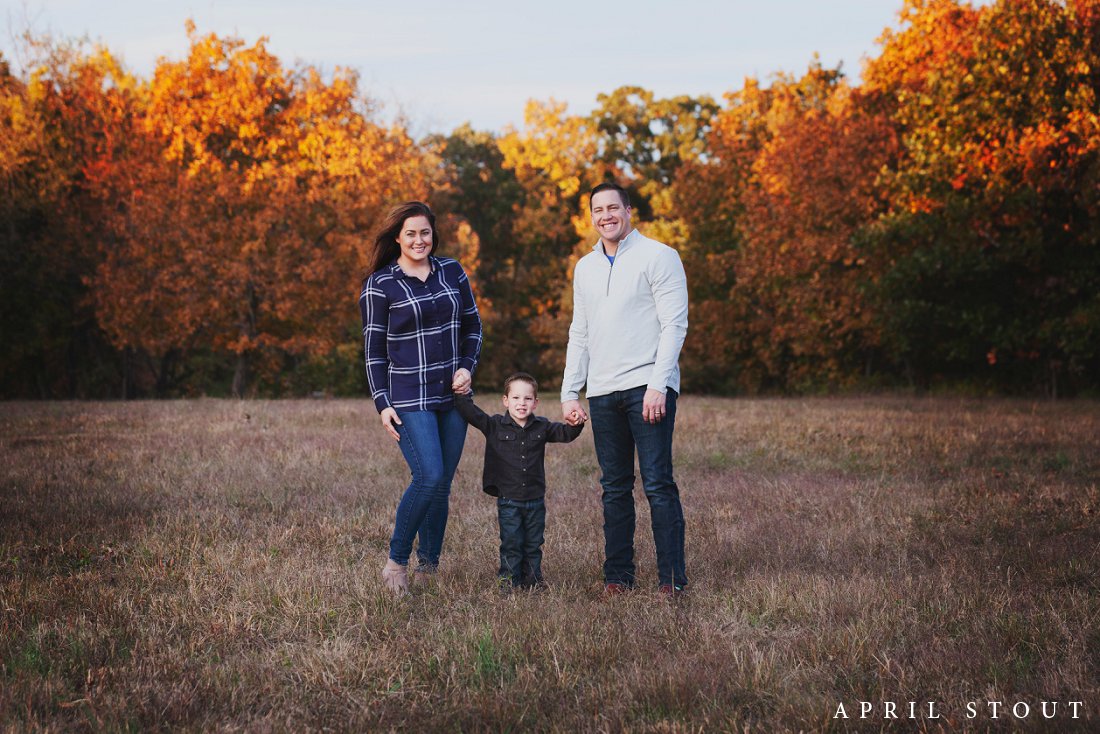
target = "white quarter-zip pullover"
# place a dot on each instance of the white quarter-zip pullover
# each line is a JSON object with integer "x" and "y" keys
{"x": 629, "y": 319}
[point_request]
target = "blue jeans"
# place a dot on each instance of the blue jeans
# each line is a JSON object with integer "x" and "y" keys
{"x": 617, "y": 428}
{"x": 522, "y": 526}
{"x": 431, "y": 442}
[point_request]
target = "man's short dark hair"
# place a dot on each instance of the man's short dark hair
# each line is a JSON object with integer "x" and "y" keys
{"x": 521, "y": 377}
{"x": 610, "y": 186}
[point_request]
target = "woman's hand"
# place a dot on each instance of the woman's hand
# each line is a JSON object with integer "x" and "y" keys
{"x": 389, "y": 418}
{"x": 462, "y": 380}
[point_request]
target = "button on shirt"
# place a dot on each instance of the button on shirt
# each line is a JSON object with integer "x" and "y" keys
{"x": 417, "y": 334}
{"x": 514, "y": 454}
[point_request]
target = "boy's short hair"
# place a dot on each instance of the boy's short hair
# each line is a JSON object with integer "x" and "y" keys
{"x": 521, "y": 377}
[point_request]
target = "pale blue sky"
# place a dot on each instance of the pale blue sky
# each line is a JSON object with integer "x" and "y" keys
{"x": 442, "y": 63}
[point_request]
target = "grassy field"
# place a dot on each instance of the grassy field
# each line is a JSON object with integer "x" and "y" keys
{"x": 214, "y": 565}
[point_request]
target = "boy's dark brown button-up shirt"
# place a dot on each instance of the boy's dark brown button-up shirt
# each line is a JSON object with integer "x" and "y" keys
{"x": 514, "y": 454}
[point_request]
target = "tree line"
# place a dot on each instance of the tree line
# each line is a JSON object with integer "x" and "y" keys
{"x": 204, "y": 230}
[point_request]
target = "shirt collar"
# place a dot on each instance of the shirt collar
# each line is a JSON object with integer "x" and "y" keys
{"x": 396, "y": 269}
{"x": 622, "y": 243}
{"x": 510, "y": 421}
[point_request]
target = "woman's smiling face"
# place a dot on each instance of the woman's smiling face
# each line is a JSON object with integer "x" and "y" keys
{"x": 415, "y": 240}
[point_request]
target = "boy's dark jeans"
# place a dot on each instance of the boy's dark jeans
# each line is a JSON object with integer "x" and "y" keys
{"x": 617, "y": 429}
{"x": 522, "y": 524}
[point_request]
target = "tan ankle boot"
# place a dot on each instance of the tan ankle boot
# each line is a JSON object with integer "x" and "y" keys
{"x": 395, "y": 577}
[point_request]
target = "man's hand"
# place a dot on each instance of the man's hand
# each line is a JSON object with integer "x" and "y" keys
{"x": 389, "y": 418}
{"x": 573, "y": 413}
{"x": 653, "y": 406}
{"x": 462, "y": 380}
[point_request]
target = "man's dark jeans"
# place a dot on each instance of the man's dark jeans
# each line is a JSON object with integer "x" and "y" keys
{"x": 522, "y": 525}
{"x": 617, "y": 428}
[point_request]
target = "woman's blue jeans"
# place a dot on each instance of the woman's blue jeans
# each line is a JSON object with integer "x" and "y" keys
{"x": 617, "y": 429}
{"x": 431, "y": 442}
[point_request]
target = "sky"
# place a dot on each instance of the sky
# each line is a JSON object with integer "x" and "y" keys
{"x": 441, "y": 63}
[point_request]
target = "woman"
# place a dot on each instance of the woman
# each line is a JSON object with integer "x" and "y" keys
{"x": 422, "y": 338}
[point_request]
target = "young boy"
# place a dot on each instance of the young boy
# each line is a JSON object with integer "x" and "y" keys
{"x": 515, "y": 446}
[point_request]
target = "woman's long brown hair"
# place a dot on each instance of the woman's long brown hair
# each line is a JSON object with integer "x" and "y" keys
{"x": 385, "y": 249}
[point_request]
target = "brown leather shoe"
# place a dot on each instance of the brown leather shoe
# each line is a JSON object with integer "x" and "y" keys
{"x": 395, "y": 577}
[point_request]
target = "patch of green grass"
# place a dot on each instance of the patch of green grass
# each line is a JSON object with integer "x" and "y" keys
{"x": 493, "y": 665}
{"x": 1057, "y": 462}
{"x": 28, "y": 657}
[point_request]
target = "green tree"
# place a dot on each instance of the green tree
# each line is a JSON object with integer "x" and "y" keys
{"x": 554, "y": 161}
{"x": 481, "y": 191}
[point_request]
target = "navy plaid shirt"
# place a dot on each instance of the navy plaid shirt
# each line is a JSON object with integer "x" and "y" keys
{"x": 417, "y": 334}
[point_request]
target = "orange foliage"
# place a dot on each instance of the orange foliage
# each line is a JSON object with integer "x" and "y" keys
{"x": 793, "y": 171}
{"x": 945, "y": 207}
{"x": 242, "y": 211}
{"x": 814, "y": 186}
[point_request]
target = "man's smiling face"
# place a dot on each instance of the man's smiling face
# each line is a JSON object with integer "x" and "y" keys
{"x": 610, "y": 216}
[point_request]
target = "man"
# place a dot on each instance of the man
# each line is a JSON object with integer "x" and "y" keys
{"x": 630, "y": 310}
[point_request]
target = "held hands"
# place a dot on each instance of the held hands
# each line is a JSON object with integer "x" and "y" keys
{"x": 462, "y": 380}
{"x": 573, "y": 413}
{"x": 389, "y": 418}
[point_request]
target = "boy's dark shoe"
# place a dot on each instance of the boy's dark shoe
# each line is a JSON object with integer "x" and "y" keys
{"x": 614, "y": 588}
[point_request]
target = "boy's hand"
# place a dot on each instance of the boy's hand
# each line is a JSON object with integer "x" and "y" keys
{"x": 573, "y": 413}
{"x": 462, "y": 381}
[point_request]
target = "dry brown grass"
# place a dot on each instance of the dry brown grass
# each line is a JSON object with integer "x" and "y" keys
{"x": 214, "y": 565}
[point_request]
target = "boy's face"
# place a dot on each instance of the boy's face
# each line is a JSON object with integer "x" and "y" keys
{"x": 521, "y": 401}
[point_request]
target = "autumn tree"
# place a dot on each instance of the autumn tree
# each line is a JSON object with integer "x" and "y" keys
{"x": 56, "y": 128}
{"x": 801, "y": 271}
{"x": 992, "y": 238}
{"x": 24, "y": 202}
{"x": 552, "y": 162}
{"x": 647, "y": 139}
{"x": 708, "y": 196}
{"x": 239, "y": 227}
{"x": 772, "y": 212}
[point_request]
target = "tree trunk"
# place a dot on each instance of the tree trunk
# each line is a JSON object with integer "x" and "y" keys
{"x": 126, "y": 373}
{"x": 240, "y": 376}
{"x": 248, "y": 329}
{"x": 164, "y": 374}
